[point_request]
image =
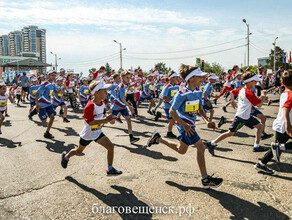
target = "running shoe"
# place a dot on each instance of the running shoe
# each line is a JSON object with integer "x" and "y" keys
{"x": 264, "y": 168}
{"x": 157, "y": 116}
{"x": 276, "y": 151}
{"x": 6, "y": 115}
{"x": 149, "y": 112}
{"x": 170, "y": 135}
{"x": 154, "y": 139}
{"x": 266, "y": 136}
{"x": 153, "y": 111}
{"x": 210, "y": 148}
{"x": 30, "y": 117}
{"x": 222, "y": 121}
{"x": 61, "y": 112}
{"x": 211, "y": 182}
{"x": 269, "y": 102}
{"x": 224, "y": 108}
{"x": 260, "y": 149}
{"x": 113, "y": 172}
{"x": 48, "y": 135}
{"x": 65, "y": 120}
{"x": 64, "y": 162}
{"x": 134, "y": 140}
{"x": 0, "y": 131}
{"x": 215, "y": 101}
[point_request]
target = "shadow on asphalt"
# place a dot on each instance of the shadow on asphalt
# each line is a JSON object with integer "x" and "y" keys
{"x": 9, "y": 143}
{"x": 282, "y": 167}
{"x": 146, "y": 152}
{"x": 57, "y": 146}
{"x": 124, "y": 198}
{"x": 240, "y": 208}
{"x": 236, "y": 160}
{"x": 7, "y": 123}
{"x": 238, "y": 134}
{"x": 69, "y": 131}
{"x": 146, "y": 134}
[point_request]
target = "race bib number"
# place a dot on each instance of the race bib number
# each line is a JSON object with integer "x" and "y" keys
{"x": 60, "y": 94}
{"x": 173, "y": 92}
{"x": 51, "y": 93}
{"x": 161, "y": 88}
{"x": 85, "y": 92}
{"x": 18, "y": 91}
{"x": 95, "y": 127}
{"x": 150, "y": 87}
{"x": 3, "y": 103}
{"x": 33, "y": 92}
{"x": 202, "y": 88}
{"x": 192, "y": 106}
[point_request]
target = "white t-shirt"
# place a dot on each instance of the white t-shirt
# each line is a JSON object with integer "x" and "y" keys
{"x": 92, "y": 112}
{"x": 3, "y": 102}
{"x": 246, "y": 100}
{"x": 18, "y": 90}
{"x": 227, "y": 83}
{"x": 285, "y": 102}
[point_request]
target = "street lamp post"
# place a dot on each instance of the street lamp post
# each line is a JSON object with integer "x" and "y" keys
{"x": 121, "y": 54}
{"x": 275, "y": 54}
{"x": 247, "y": 25}
{"x": 56, "y": 60}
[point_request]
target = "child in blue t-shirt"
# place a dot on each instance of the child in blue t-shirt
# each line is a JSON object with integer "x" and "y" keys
{"x": 184, "y": 108}
{"x": 32, "y": 92}
{"x": 84, "y": 93}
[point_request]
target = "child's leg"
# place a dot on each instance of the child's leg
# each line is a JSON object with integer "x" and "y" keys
{"x": 106, "y": 143}
{"x": 201, "y": 157}
{"x": 180, "y": 148}
{"x": 170, "y": 125}
{"x": 129, "y": 123}
{"x": 211, "y": 114}
{"x": 51, "y": 121}
{"x": 222, "y": 137}
{"x": 1, "y": 119}
{"x": 158, "y": 105}
{"x": 260, "y": 128}
{"x": 65, "y": 108}
{"x": 263, "y": 119}
{"x": 75, "y": 151}
{"x": 151, "y": 104}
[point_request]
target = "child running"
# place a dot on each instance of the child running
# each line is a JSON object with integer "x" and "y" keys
{"x": 282, "y": 127}
{"x": 93, "y": 122}
{"x": 3, "y": 102}
{"x": 246, "y": 100}
{"x": 32, "y": 92}
{"x": 83, "y": 93}
{"x": 184, "y": 108}
{"x": 44, "y": 105}
{"x": 119, "y": 104}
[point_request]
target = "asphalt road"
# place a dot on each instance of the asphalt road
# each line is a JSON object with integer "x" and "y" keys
{"x": 157, "y": 182}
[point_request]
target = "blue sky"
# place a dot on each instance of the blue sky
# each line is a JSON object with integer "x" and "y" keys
{"x": 82, "y": 32}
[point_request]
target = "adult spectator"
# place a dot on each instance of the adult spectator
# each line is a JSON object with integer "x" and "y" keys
{"x": 24, "y": 83}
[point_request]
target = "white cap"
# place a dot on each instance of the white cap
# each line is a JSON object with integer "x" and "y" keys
{"x": 196, "y": 72}
{"x": 151, "y": 74}
{"x": 51, "y": 71}
{"x": 213, "y": 77}
{"x": 173, "y": 75}
{"x": 253, "y": 78}
{"x": 100, "y": 86}
{"x": 34, "y": 79}
{"x": 60, "y": 78}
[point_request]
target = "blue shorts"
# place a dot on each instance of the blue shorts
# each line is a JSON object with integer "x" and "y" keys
{"x": 84, "y": 103}
{"x": 239, "y": 123}
{"x": 189, "y": 140}
{"x": 46, "y": 112}
{"x": 61, "y": 104}
{"x": 32, "y": 104}
{"x": 124, "y": 112}
{"x": 167, "y": 114}
{"x": 207, "y": 108}
{"x": 141, "y": 99}
{"x": 256, "y": 112}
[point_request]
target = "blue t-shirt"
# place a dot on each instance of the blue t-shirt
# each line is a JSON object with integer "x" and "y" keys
{"x": 58, "y": 95}
{"x": 187, "y": 103}
{"x": 237, "y": 84}
{"x": 159, "y": 87}
{"x": 45, "y": 92}
{"x": 208, "y": 89}
{"x": 24, "y": 80}
{"x": 32, "y": 91}
{"x": 119, "y": 93}
{"x": 169, "y": 91}
{"x": 84, "y": 92}
{"x": 146, "y": 90}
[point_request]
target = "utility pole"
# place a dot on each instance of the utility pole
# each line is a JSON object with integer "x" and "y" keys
{"x": 121, "y": 54}
{"x": 275, "y": 54}
{"x": 247, "y": 25}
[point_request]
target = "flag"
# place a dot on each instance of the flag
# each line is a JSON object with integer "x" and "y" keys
{"x": 290, "y": 60}
{"x": 284, "y": 58}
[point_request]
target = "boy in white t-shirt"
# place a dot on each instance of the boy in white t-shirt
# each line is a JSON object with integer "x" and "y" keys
{"x": 3, "y": 103}
{"x": 282, "y": 126}
{"x": 246, "y": 99}
{"x": 93, "y": 123}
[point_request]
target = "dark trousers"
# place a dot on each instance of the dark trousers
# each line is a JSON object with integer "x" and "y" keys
{"x": 259, "y": 89}
{"x": 282, "y": 139}
{"x": 131, "y": 98}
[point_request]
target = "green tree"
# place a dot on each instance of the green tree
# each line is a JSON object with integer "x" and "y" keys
{"x": 279, "y": 54}
{"x": 108, "y": 68}
{"x": 251, "y": 68}
{"x": 92, "y": 70}
{"x": 213, "y": 68}
{"x": 163, "y": 69}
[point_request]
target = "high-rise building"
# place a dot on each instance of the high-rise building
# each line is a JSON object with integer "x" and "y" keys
{"x": 30, "y": 40}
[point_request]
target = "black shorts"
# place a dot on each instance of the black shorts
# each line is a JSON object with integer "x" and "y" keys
{"x": 84, "y": 143}
{"x": 239, "y": 122}
{"x": 2, "y": 112}
{"x": 25, "y": 89}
